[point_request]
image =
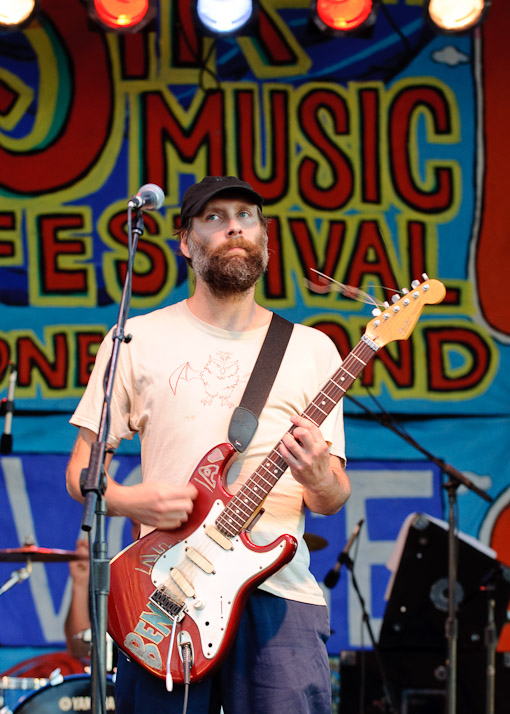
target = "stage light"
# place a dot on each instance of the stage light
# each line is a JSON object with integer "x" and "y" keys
{"x": 456, "y": 15}
{"x": 14, "y": 13}
{"x": 344, "y": 16}
{"x": 225, "y": 17}
{"x": 121, "y": 15}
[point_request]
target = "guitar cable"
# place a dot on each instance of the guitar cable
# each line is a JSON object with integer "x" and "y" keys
{"x": 186, "y": 662}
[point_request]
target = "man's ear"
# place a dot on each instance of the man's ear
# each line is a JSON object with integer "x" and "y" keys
{"x": 184, "y": 245}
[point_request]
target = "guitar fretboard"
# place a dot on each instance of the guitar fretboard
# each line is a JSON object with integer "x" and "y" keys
{"x": 250, "y": 496}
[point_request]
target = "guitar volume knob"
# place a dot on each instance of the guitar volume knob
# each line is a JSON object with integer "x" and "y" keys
{"x": 198, "y": 604}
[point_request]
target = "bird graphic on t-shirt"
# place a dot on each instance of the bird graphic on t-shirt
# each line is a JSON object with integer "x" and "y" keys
{"x": 220, "y": 376}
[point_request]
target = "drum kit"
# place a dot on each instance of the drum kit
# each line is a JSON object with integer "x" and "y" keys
{"x": 36, "y": 686}
{"x": 51, "y": 682}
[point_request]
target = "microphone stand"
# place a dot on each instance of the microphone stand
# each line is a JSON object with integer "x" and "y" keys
{"x": 93, "y": 487}
{"x": 389, "y": 706}
{"x": 456, "y": 479}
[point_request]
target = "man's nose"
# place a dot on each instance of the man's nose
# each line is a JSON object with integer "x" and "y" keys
{"x": 234, "y": 227}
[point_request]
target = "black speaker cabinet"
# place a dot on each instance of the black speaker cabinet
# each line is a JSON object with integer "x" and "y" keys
{"x": 417, "y": 682}
{"x": 417, "y": 610}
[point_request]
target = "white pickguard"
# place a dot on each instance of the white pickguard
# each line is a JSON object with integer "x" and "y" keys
{"x": 215, "y": 593}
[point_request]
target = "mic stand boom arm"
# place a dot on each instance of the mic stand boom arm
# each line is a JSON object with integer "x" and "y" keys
{"x": 93, "y": 487}
{"x": 456, "y": 478}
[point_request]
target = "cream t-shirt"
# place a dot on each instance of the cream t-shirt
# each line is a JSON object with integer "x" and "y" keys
{"x": 177, "y": 383}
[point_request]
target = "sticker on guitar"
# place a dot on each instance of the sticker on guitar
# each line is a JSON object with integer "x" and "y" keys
{"x": 187, "y": 587}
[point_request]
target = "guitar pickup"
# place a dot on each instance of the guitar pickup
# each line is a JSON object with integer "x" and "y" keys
{"x": 181, "y": 582}
{"x": 219, "y": 538}
{"x": 200, "y": 560}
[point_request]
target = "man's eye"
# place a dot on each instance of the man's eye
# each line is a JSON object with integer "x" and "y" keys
{"x": 244, "y": 214}
{"x": 212, "y": 217}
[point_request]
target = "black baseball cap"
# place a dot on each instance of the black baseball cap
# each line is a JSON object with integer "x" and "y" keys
{"x": 196, "y": 196}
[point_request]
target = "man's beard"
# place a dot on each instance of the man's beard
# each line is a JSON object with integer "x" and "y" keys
{"x": 228, "y": 274}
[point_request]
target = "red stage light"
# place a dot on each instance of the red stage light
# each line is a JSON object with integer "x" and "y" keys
{"x": 121, "y": 14}
{"x": 344, "y": 15}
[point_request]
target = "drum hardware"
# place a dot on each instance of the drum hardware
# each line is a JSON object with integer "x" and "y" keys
{"x": 14, "y": 689}
{"x": 36, "y": 554}
{"x": 30, "y": 553}
{"x": 17, "y": 576}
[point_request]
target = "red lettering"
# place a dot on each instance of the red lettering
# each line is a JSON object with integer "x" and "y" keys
{"x": 31, "y": 357}
{"x": 273, "y": 43}
{"x": 86, "y": 115}
{"x": 400, "y": 367}
{"x": 276, "y": 134}
{"x": 86, "y": 350}
{"x": 274, "y": 279}
{"x": 161, "y": 126}
{"x": 440, "y": 343}
{"x": 370, "y": 143}
{"x": 7, "y": 223}
{"x": 306, "y": 249}
{"x": 134, "y": 55}
{"x": 185, "y": 44}
{"x": 5, "y": 356}
{"x": 54, "y": 279}
{"x": 341, "y": 185}
{"x": 153, "y": 278}
{"x": 369, "y": 256}
{"x": 402, "y": 147}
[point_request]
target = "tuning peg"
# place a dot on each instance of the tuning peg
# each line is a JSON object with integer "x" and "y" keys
{"x": 376, "y": 312}
{"x": 415, "y": 284}
{"x": 395, "y": 297}
{"x": 404, "y": 291}
{"x": 424, "y": 276}
{"x": 386, "y": 304}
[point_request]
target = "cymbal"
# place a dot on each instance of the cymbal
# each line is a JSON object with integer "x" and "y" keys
{"x": 314, "y": 542}
{"x": 36, "y": 554}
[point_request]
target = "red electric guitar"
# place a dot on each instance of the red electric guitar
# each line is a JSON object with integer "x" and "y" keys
{"x": 183, "y": 591}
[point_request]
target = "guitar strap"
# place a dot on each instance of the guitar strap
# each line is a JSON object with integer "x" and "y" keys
{"x": 244, "y": 420}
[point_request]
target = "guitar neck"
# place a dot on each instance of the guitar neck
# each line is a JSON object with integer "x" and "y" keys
{"x": 250, "y": 496}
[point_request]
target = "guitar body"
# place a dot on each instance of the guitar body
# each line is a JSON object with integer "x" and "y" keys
{"x": 221, "y": 576}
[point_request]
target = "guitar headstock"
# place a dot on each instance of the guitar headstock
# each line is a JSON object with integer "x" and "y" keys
{"x": 397, "y": 321}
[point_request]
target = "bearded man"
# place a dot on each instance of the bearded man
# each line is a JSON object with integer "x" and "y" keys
{"x": 277, "y": 662}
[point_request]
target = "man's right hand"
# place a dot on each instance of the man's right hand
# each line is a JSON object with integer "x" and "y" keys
{"x": 157, "y": 504}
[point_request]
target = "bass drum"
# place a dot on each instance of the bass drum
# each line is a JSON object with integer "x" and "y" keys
{"x": 71, "y": 695}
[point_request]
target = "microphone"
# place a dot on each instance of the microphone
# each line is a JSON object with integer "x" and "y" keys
{"x": 8, "y": 410}
{"x": 332, "y": 577}
{"x": 149, "y": 198}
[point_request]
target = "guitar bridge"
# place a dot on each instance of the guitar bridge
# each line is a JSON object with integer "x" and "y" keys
{"x": 165, "y": 601}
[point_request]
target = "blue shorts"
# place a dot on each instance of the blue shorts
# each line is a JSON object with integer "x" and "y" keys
{"x": 278, "y": 664}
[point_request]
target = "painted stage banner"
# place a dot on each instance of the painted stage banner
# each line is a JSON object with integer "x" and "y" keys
{"x": 380, "y": 158}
